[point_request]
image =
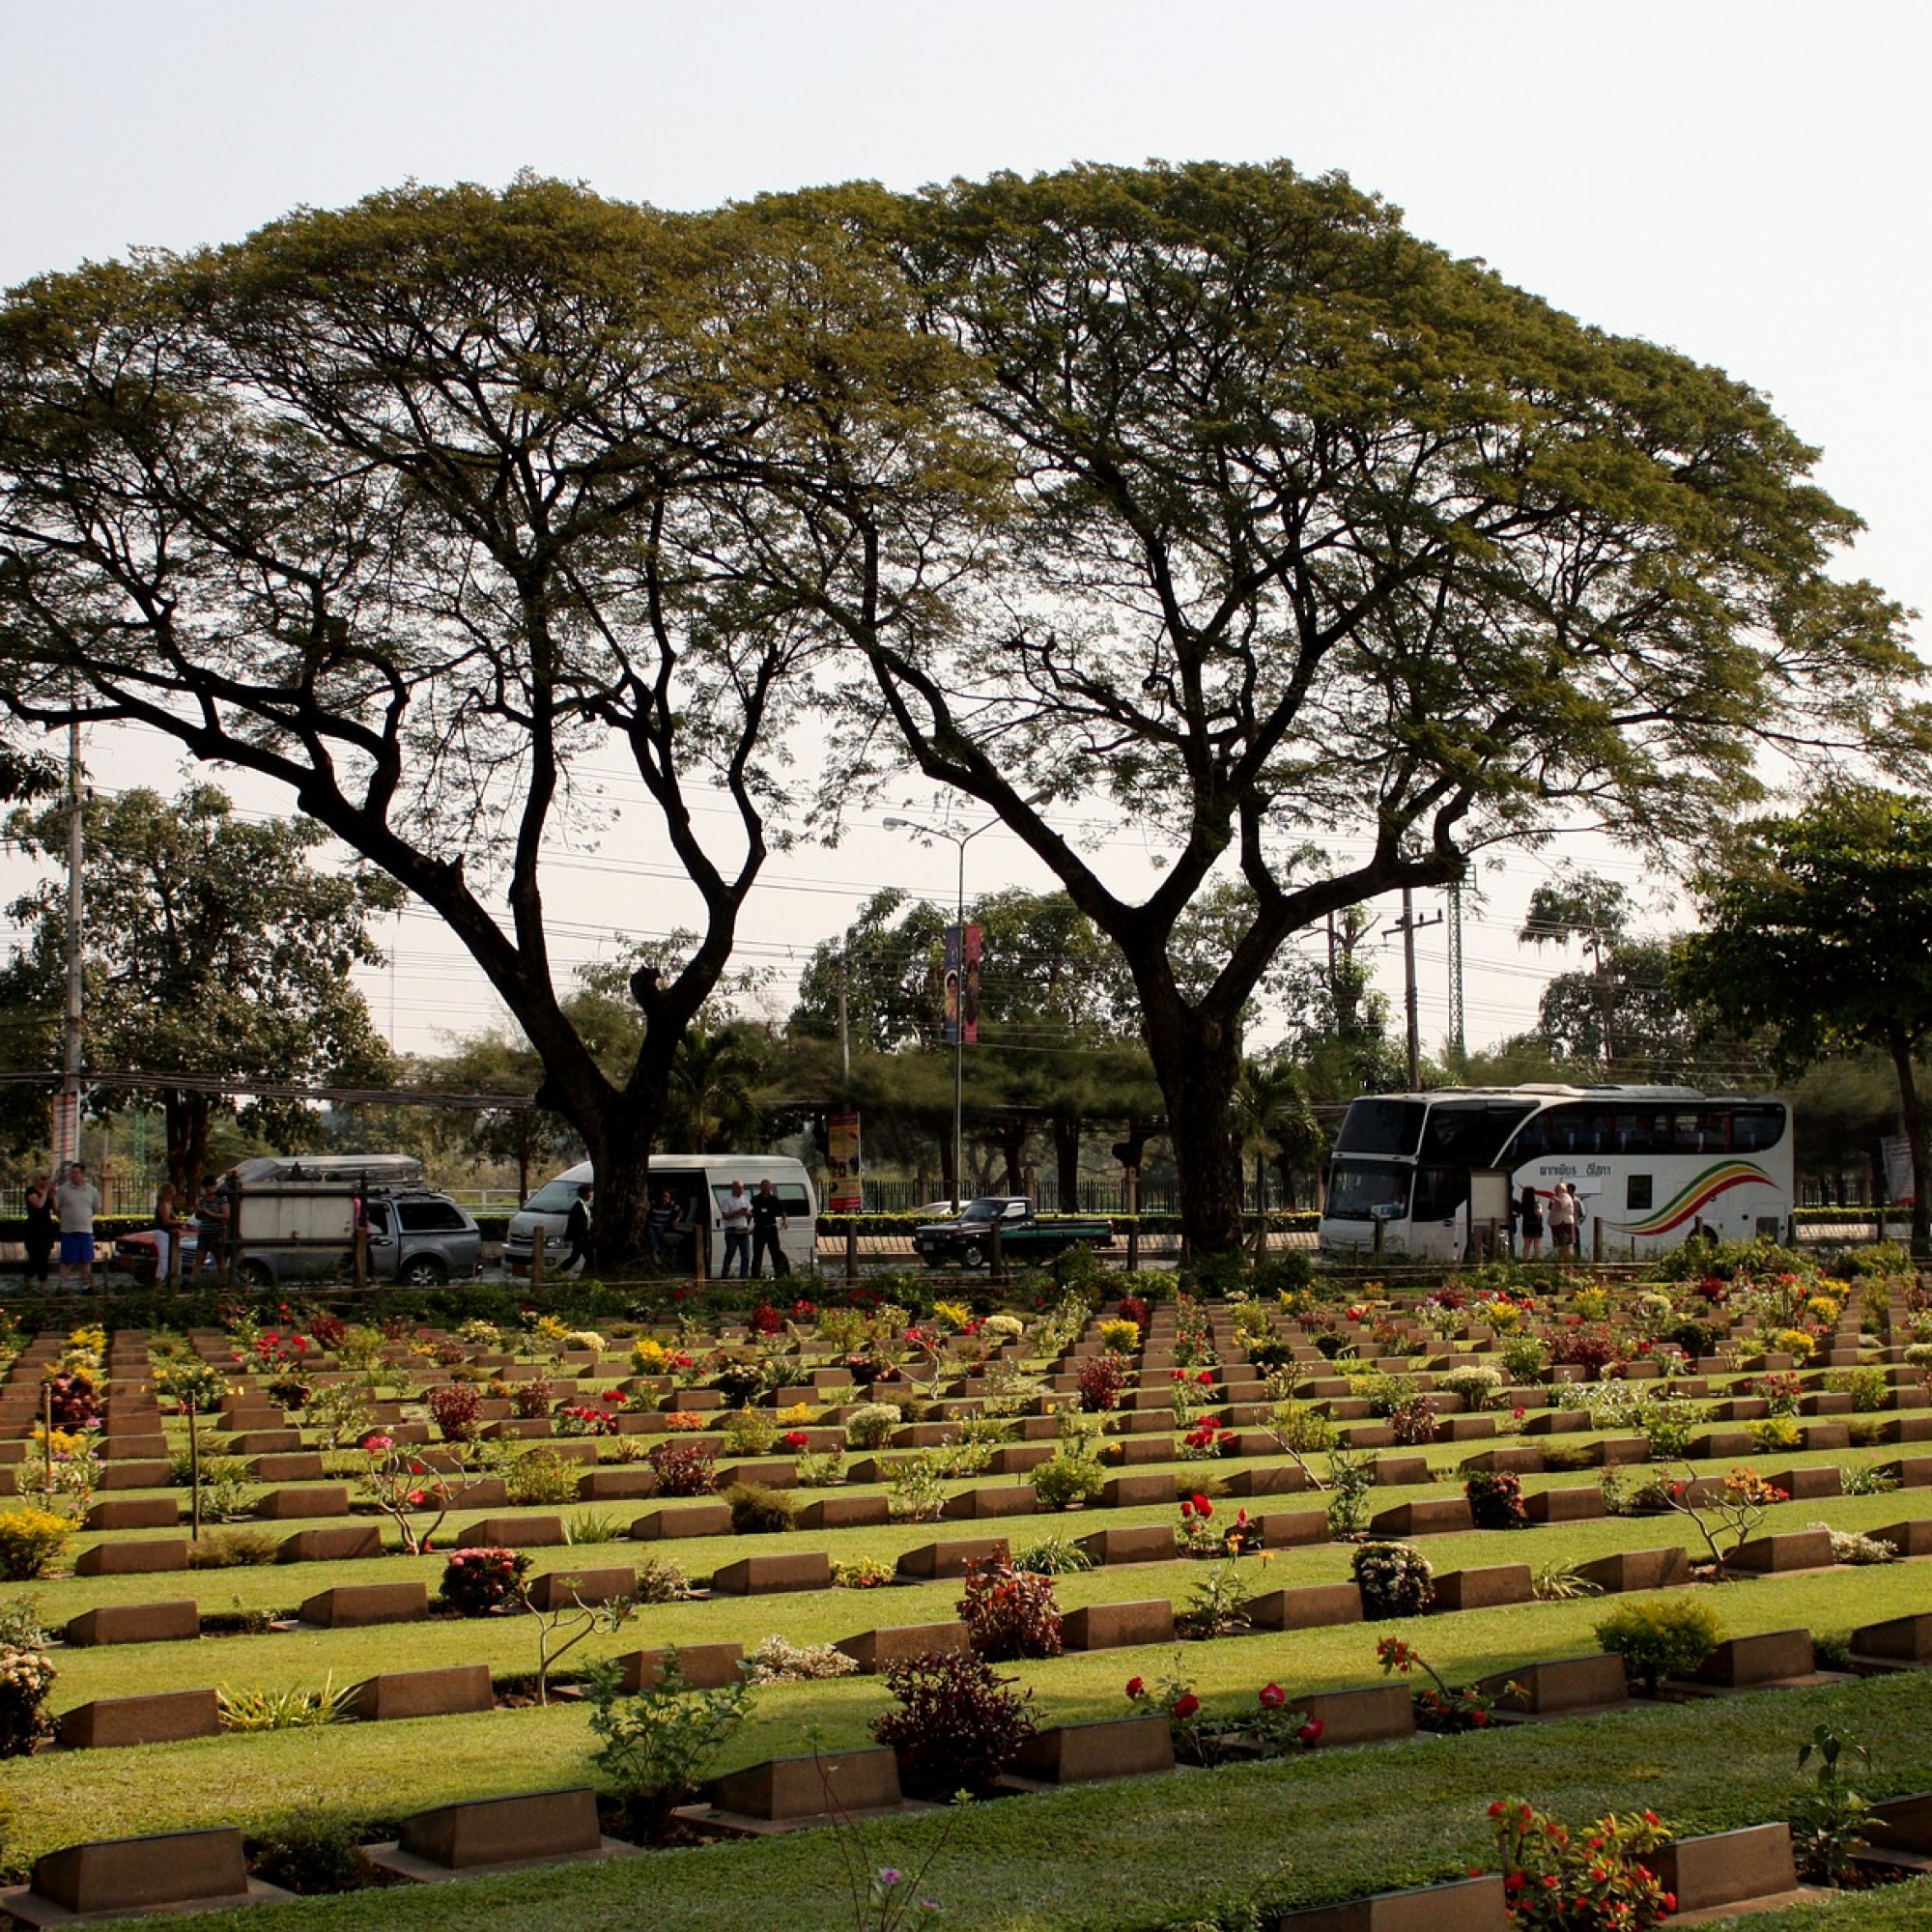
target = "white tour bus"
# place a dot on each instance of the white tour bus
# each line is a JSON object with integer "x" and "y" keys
{"x": 698, "y": 1184}
{"x": 1651, "y": 1164}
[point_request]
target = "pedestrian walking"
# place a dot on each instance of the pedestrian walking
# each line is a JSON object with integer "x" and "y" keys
{"x": 167, "y": 1232}
{"x": 43, "y": 1231}
{"x": 734, "y": 1215}
{"x": 768, "y": 1218}
{"x": 76, "y": 1202}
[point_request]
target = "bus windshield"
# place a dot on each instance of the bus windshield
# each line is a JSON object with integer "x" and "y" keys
{"x": 1380, "y": 1126}
{"x": 1367, "y": 1190}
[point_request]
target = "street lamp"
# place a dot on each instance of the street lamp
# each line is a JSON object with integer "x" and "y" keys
{"x": 962, "y": 840}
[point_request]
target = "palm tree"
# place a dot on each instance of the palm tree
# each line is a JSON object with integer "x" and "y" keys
{"x": 711, "y": 1090}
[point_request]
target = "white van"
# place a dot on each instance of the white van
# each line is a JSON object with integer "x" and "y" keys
{"x": 699, "y": 1185}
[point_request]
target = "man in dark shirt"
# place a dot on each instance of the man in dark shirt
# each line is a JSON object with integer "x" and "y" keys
{"x": 576, "y": 1231}
{"x": 768, "y": 1218}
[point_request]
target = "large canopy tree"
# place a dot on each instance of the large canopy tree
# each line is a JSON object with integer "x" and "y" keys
{"x": 418, "y": 508}
{"x": 1816, "y": 925}
{"x": 216, "y": 953}
{"x": 1327, "y": 560}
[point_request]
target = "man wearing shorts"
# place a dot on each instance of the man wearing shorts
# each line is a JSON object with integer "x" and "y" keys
{"x": 76, "y": 1201}
{"x": 1562, "y": 1218}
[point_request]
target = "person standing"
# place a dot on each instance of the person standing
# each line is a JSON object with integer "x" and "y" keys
{"x": 734, "y": 1216}
{"x": 1563, "y": 1224}
{"x": 43, "y": 1231}
{"x": 576, "y": 1231}
{"x": 661, "y": 1224}
{"x": 210, "y": 1227}
{"x": 1529, "y": 1222}
{"x": 167, "y": 1232}
{"x": 76, "y": 1202}
{"x": 768, "y": 1218}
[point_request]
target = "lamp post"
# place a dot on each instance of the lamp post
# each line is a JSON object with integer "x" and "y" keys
{"x": 962, "y": 840}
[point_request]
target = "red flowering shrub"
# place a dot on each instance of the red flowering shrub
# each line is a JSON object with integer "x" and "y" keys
{"x": 326, "y": 1329}
{"x": 477, "y": 1581}
{"x": 1594, "y": 1880}
{"x": 1102, "y": 1377}
{"x": 535, "y": 1397}
{"x": 767, "y": 1320}
{"x": 684, "y": 1468}
{"x": 1133, "y": 1309}
{"x": 1590, "y": 1347}
{"x": 75, "y": 1399}
{"x": 1010, "y": 1612}
{"x": 959, "y": 1726}
{"x": 1495, "y": 1499}
{"x": 453, "y": 1407}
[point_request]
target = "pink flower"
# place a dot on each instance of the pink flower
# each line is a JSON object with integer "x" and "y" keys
{"x": 1272, "y": 1697}
{"x": 378, "y": 1445}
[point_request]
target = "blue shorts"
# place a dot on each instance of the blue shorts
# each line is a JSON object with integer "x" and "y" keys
{"x": 76, "y": 1251}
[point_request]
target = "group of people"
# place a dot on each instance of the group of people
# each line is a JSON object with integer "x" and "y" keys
{"x": 1564, "y": 1216}
{"x": 752, "y": 1221}
{"x": 62, "y": 1213}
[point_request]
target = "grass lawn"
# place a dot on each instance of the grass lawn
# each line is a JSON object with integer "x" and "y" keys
{"x": 1192, "y": 1849}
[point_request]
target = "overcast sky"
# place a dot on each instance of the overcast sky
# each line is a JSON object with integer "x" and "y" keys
{"x": 1747, "y": 183}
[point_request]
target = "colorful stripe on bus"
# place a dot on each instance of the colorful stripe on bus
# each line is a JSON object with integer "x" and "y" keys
{"x": 1695, "y": 1196}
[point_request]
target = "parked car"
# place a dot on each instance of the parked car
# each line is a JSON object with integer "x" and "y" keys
{"x": 140, "y": 1254}
{"x": 1025, "y": 1235}
{"x": 421, "y": 1238}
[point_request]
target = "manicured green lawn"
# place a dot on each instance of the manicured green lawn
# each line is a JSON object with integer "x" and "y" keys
{"x": 1195, "y": 1849}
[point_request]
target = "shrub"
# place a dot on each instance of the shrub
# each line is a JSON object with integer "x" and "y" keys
{"x": 1867, "y": 1388}
{"x": 583, "y": 1342}
{"x": 749, "y": 1432}
{"x": 1772, "y": 1432}
{"x": 759, "y": 1510}
{"x": 915, "y": 1492}
{"x": 661, "y": 1581}
{"x": 232, "y": 1549}
{"x": 684, "y": 1468}
{"x": 777, "y": 1661}
{"x": 1795, "y": 1343}
{"x": 532, "y": 1399}
{"x": 658, "y": 1746}
{"x": 1412, "y": 1423}
{"x": 30, "y": 1539}
{"x": 542, "y": 1476}
{"x": 312, "y": 1853}
{"x": 477, "y": 1581}
{"x": 1523, "y": 1358}
{"x": 1120, "y": 1336}
{"x": 1010, "y": 1613}
{"x": 1102, "y": 1377}
{"x": 288, "y": 1710}
{"x": 453, "y": 1407}
{"x": 1495, "y": 1499}
{"x": 26, "y": 1676}
{"x": 959, "y": 1725}
{"x": 871, "y": 1424}
{"x": 1067, "y": 1480}
{"x": 1559, "y": 1880}
{"x": 861, "y": 1572}
{"x": 1666, "y": 1638}
{"x": 1475, "y": 1387}
{"x": 593, "y": 1526}
{"x": 1590, "y": 1347}
{"x": 1696, "y": 1339}
{"x": 1395, "y": 1579}
{"x": 1848, "y": 1546}
{"x": 1052, "y": 1556}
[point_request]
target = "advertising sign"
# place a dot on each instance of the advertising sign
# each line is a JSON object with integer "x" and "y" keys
{"x": 846, "y": 1194}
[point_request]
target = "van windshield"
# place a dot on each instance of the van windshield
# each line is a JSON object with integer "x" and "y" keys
{"x": 554, "y": 1197}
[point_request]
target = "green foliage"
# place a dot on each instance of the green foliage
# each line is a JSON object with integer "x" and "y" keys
{"x": 1067, "y": 1480}
{"x": 1395, "y": 1579}
{"x": 1669, "y": 1636}
{"x": 657, "y": 1747}
{"x": 660, "y": 1580}
{"x": 959, "y": 1726}
{"x": 1052, "y": 1556}
{"x": 1829, "y": 1828}
{"x": 30, "y": 1541}
{"x": 1773, "y": 1431}
{"x": 1867, "y": 1388}
{"x": 233, "y": 1549}
{"x": 283, "y": 1710}
{"x": 1598, "y": 1878}
{"x": 749, "y": 1431}
{"x": 871, "y": 1424}
{"x": 759, "y": 1510}
{"x": 541, "y": 1476}
{"x": 311, "y": 1850}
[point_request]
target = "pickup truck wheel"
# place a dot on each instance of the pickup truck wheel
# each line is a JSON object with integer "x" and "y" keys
{"x": 971, "y": 1255}
{"x": 424, "y": 1272}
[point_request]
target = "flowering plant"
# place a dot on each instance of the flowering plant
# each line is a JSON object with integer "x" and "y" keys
{"x": 1010, "y": 1612}
{"x": 1441, "y": 1707}
{"x": 26, "y": 1676}
{"x": 685, "y": 1421}
{"x": 477, "y": 1581}
{"x": 453, "y": 1409}
{"x": 684, "y": 1468}
{"x": 1732, "y": 1511}
{"x": 1204, "y": 1441}
{"x": 1588, "y": 1880}
{"x": 402, "y": 1489}
{"x": 1271, "y": 1729}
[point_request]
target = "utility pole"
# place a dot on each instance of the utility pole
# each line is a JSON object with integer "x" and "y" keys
{"x": 844, "y": 1028}
{"x": 66, "y": 1114}
{"x": 1458, "y": 1040}
{"x": 1408, "y": 925}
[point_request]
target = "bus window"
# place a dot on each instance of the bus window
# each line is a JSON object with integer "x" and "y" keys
{"x": 1757, "y": 1129}
{"x": 1357, "y": 1189}
{"x": 1380, "y": 1126}
{"x": 1440, "y": 1192}
{"x": 1638, "y": 1191}
{"x": 1471, "y": 1133}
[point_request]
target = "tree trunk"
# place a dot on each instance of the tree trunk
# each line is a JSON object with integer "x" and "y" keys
{"x": 1012, "y": 1151}
{"x": 620, "y": 1151}
{"x": 1284, "y": 1167}
{"x": 1197, "y": 1059}
{"x": 184, "y": 1121}
{"x": 1911, "y": 1107}
{"x": 1067, "y": 1159}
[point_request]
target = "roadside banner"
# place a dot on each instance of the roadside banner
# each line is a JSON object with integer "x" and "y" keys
{"x": 847, "y": 1194}
{"x": 964, "y": 948}
{"x": 1897, "y": 1153}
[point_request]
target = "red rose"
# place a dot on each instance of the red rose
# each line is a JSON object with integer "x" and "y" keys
{"x": 1186, "y": 1705}
{"x": 1497, "y": 1809}
{"x": 1272, "y": 1697}
{"x": 1202, "y": 1506}
{"x": 1311, "y": 1732}
{"x": 1135, "y": 1685}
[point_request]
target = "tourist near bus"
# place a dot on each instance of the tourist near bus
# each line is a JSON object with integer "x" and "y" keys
{"x": 76, "y": 1202}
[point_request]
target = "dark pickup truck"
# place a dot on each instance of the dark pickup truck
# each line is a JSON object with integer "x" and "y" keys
{"x": 1024, "y": 1235}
